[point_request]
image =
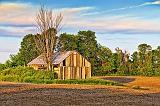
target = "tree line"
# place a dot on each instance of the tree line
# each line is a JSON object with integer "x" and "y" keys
{"x": 145, "y": 61}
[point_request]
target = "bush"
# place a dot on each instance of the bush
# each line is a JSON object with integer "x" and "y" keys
{"x": 28, "y": 79}
{"x": 43, "y": 74}
{"x": 29, "y": 75}
{"x": 2, "y": 67}
{"x": 9, "y": 78}
{"x": 25, "y": 74}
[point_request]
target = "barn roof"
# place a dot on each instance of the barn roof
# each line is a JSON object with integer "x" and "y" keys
{"x": 57, "y": 58}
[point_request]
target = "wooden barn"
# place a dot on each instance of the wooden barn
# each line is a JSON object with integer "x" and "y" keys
{"x": 67, "y": 65}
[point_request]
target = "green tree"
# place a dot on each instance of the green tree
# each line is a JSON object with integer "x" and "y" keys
{"x": 105, "y": 56}
{"x": 84, "y": 42}
{"x": 87, "y": 45}
{"x": 145, "y": 57}
{"x": 27, "y": 52}
{"x": 156, "y": 58}
{"x": 67, "y": 42}
{"x": 123, "y": 63}
{"x": 134, "y": 63}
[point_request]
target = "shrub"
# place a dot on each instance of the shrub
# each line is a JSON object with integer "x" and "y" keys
{"x": 9, "y": 78}
{"x": 43, "y": 74}
{"x": 2, "y": 67}
{"x": 28, "y": 79}
{"x": 29, "y": 75}
{"x": 26, "y": 74}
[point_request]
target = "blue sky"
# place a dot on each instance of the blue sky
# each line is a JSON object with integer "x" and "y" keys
{"x": 117, "y": 23}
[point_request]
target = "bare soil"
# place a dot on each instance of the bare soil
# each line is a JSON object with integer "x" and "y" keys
{"x": 13, "y": 94}
{"x": 20, "y": 94}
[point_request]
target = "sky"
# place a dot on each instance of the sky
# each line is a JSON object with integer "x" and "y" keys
{"x": 117, "y": 23}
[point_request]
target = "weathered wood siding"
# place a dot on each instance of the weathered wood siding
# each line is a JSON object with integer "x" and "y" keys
{"x": 75, "y": 66}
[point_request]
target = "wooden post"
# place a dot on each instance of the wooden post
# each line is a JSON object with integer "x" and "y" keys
{"x": 63, "y": 74}
{"x": 69, "y": 72}
{"x": 59, "y": 72}
{"x": 89, "y": 72}
{"x": 74, "y": 59}
{"x": 80, "y": 61}
{"x": 83, "y": 72}
{"x": 77, "y": 72}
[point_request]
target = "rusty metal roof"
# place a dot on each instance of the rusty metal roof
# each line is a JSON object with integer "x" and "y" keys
{"x": 57, "y": 58}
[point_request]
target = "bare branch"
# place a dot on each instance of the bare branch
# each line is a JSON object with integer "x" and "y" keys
{"x": 48, "y": 27}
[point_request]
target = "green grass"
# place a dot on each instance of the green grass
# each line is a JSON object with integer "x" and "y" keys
{"x": 84, "y": 81}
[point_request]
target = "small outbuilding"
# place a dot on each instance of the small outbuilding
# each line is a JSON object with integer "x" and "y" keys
{"x": 67, "y": 65}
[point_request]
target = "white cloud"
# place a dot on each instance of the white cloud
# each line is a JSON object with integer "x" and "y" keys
{"x": 123, "y": 8}
{"x": 19, "y": 14}
{"x": 118, "y": 24}
{"x": 77, "y": 10}
{"x": 16, "y": 31}
{"x": 153, "y": 3}
{"x": 15, "y": 15}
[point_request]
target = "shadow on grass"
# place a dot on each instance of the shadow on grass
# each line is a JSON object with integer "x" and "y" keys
{"x": 120, "y": 79}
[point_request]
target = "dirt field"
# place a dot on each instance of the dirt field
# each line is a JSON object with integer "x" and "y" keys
{"x": 12, "y": 94}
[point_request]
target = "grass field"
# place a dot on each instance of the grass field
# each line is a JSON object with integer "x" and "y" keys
{"x": 21, "y": 94}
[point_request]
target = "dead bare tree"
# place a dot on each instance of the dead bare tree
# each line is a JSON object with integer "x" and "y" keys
{"x": 48, "y": 26}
